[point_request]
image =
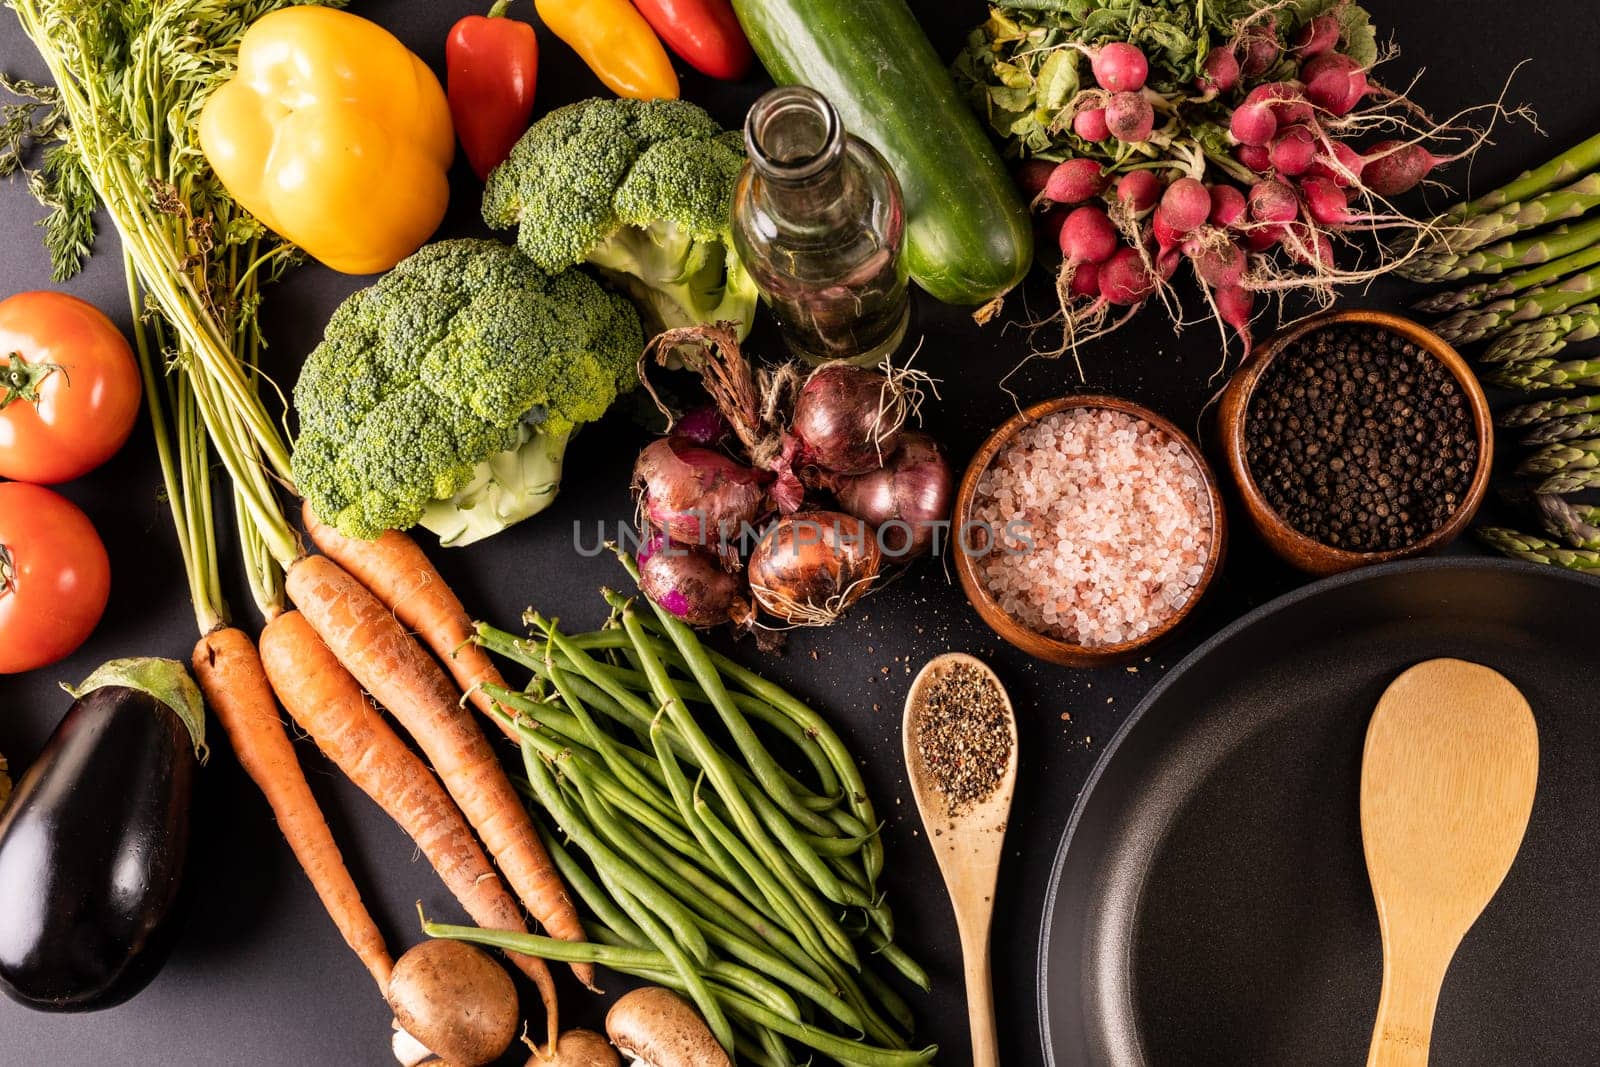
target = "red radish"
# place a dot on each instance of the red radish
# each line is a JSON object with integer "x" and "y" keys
{"x": 1326, "y": 203}
{"x": 1288, "y": 104}
{"x": 1316, "y": 37}
{"x": 1032, "y": 175}
{"x": 1088, "y": 236}
{"x": 1219, "y": 73}
{"x": 1253, "y": 123}
{"x": 1139, "y": 189}
{"x": 1273, "y": 201}
{"x": 1130, "y": 118}
{"x": 1334, "y": 82}
{"x": 1124, "y": 279}
{"x": 1259, "y": 44}
{"x": 1394, "y": 167}
{"x": 1293, "y": 152}
{"x": 1236, "y": 305}
{"x": 1255, "y": 156}
{"x": 1309, "y": 246}
{"x": 1184, "y": 206}
{"x": 1166, "y": 237}
{"x": 1090, "y": 124}
{"x": 1227, "y": 206}
{"x": 1167, "y": 262}
{"x": 1120, "y": 67}
{"x": 1086, "y": 280}
{"x": 1217, "y": 260}
{"x": 1342, "y": 166}
{"x": 1262, "y": 236}
{"x": 1074, "y": 181}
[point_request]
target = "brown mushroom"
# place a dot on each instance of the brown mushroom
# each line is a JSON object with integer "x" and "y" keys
{"x": 578, "y": 1048}
{"x": 455, "y": 1001}
{"x": 659, "y": 1028}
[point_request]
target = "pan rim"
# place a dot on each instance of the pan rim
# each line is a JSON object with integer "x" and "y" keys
{"x": 1182, "y": 667}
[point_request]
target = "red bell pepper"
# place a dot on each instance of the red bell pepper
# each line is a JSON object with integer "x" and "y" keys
{"x": 705, "y": 33}
{"x": 492, "y": 63}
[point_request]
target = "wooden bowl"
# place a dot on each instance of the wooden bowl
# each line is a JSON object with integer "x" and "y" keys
{"x": 1307, "y": 553}
{"x": 1040, "y": 645}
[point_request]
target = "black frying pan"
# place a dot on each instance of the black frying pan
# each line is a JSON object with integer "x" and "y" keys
{"x": 1209, "y": 903}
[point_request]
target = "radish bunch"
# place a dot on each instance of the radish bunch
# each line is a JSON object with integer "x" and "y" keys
{"x": 1250, "y": 149}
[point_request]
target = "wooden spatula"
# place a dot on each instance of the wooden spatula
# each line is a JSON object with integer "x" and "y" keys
{"x": 967, "y": 846}
{"x": 1447, "y": 781}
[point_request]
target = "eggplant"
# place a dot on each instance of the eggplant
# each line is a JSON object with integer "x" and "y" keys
{"x": 94, "y": 837}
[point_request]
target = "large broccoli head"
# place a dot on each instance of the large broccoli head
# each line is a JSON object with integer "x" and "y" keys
{"x": 445, "y": 394}
{"x": 642, "y": 189}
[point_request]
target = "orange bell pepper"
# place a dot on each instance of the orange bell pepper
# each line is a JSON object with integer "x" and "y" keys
{"x": 617, "y": 44}
{"x": 335, "y": 136}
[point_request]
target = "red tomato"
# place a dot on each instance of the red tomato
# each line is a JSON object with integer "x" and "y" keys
{"x": 54, "y": 577}
{"x": 69, "y": 388}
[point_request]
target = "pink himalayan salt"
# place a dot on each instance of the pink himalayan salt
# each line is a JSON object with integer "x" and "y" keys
{"x": 1119, "y": 521}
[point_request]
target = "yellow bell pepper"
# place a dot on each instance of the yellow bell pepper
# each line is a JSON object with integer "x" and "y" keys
{"x": 335, "y": 136}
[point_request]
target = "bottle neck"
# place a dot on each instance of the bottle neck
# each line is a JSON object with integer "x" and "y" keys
{"x": 796, "y": 143}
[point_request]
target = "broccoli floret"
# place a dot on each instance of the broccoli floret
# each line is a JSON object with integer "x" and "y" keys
{"x": 446, "y": 393}
{"x": 642, "y": 189}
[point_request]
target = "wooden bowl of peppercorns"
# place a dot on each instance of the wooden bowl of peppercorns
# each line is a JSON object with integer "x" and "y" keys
{"x": 1356, "y": 437}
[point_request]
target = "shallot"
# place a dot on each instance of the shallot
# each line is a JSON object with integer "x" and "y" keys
{"x": 906, "y": 500}
{"x": 697, "y": 496}
{"x": 848, "y": 418}
{"x": 687, "y": 581}
{"x": 812, "y": 565}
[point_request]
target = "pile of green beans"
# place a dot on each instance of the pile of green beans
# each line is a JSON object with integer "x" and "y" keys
{"x": 705, "y": 865}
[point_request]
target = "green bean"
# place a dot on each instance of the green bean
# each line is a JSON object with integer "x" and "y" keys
{"x": 589, "y": 891}
{"x": 896, "y": 957}
{"x": 815, "y": 726}
{"x": 610, "y": 866}
{"x": 603, "y": 743}
{"x": 892, "y": 1001}
{"x": 852, "y": 1053}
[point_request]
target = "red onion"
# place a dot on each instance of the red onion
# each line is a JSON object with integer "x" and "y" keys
{"x": 811, "y": 566}
{"x": 847, "y": 418}
{"x": 687, "y": 581}
{"x": 905, "y": 500}
{"x": 697, "y": 496}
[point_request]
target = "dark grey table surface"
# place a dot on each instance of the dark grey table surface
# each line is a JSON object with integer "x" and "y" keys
{"x": 259, "y": 976}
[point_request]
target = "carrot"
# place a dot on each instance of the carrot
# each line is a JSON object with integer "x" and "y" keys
{"x": 328, "y": 704}
{"x": 400, "y": 575}
{"x": 230, "y": 673}
{"x": 390, "y": 665}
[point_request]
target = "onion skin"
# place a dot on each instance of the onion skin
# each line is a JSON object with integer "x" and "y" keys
{"x": 811, "y": 566}
{"x": 688, "y": 582}
{"x": 847, "y": 418}
{"x": 911, "y": 490}
{"x": 697, "y": 496}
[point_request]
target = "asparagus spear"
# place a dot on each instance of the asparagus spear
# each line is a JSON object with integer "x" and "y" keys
{"x": 1577, "y": 160}
{"x": 1574, "y": 480}
{"x": 1568, "y": 202}
{"x": 1583, "y": 424}
{"x": 1535, "y": 374}
{"x": 1444, "y": 265}
{"x": 1555, "y": 408}
{"x": 1563, "y": 456}
{"x": 1494, "y": 288}
{"x": 1474, "y": 324}
{"x": 1538, "y": 549}
{"x": 1578, "y": 525}
{"x": 1542, "y": 338}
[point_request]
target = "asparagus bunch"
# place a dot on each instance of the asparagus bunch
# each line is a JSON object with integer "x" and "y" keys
{"x": 1544, "y": 337}
{"x": 1538, "y": 549}
{"x": 1456, "y": 300}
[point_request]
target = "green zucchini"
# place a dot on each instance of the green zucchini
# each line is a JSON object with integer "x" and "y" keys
{"x": 968, "y": 234}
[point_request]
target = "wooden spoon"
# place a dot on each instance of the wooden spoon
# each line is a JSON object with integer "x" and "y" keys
{"x": 1447, "y": 781}
{"x": 967, "y": 846}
